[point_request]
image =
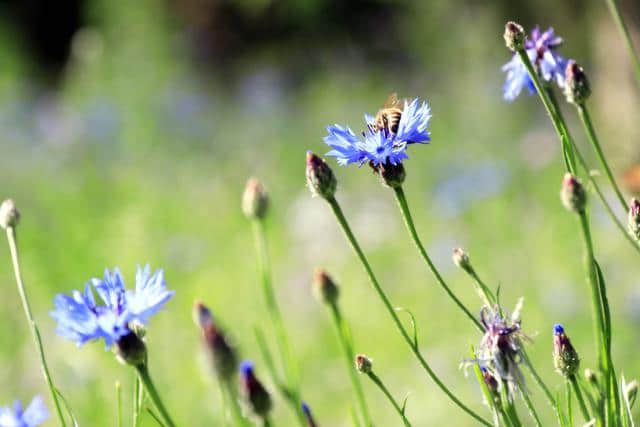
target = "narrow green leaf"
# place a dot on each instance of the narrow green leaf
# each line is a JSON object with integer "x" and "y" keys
{"x": 413, "y": 324}
{"x": 67, "y": 407}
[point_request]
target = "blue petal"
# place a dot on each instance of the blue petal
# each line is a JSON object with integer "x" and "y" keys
{"x": 36, "y": 413}
{"x": 150, "y": 295}
{"x": 414, "y": 122}
{"x": 343, "y": 141}
{"x": 111, "y": 289}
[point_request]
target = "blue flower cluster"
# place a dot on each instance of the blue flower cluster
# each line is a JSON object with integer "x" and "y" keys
{"x": 541, "y": 50}
{"x": 80, "y": 319}
{"x": 35, "y": 414}
{"x": 380, "y": 146}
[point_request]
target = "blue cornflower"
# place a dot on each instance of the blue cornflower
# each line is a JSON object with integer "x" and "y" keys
{"x": 35, "y": 414}
{"x": 540, "y": 48}
{"x": 380, "y": 145}
{"x": 81, "y": 320}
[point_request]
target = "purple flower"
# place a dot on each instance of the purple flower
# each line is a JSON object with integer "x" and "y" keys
{"x": 550, "y": 66}
{"x": 80, "y": 319}
{"x": 380, "y": 146}
{"x": 35, "y": 414}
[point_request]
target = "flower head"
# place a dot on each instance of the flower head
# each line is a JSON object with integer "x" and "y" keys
{"x": 35, "y": 414}
{"x": 9, "y": 214}
{"x": 80, "y": 319}
{"x": 573, "y": 194}
{"x": 380, "y": 144}
{"x": 500, "y": 350}
{"x": 222, "y": 354}
{"x": 255, "y": 200}
{"x": 565, "y": 357}
{"x": 550, "y": 66}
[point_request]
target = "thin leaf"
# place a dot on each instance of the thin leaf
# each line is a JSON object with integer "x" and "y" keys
{"x": 404, "y": 404}
{"x": 268, "y": 360}
{"x": 626, "y": 413}
{"x": 413, "y": 324}
{"x": 155, "y": 417}
{"x": 67, "y": 407}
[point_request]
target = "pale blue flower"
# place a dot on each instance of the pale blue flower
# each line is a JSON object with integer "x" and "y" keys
{"x": 35, "y": 414}
{"x": 81, "y": 320}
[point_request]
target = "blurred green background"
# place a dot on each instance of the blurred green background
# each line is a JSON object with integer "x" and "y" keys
{"x": 128, "y": 130}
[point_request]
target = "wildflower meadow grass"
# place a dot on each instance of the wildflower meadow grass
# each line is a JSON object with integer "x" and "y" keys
{"x": 385, "y": 269}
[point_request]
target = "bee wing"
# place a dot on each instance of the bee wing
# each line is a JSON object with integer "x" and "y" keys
{"x": 392, "y": 101}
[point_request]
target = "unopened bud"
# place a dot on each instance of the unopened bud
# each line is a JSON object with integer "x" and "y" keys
{"x": 565, "y": 357}
{"x": 390, "y": 175}
{"x": 573, "y": 193}
{"x": 577, "y": 88}
{"x": 320, "y": 178}
{"x": 306, "y": 410}
{"x": 590, "y": 376}
{"x": 363, "y": 364}
{"x": 491, "y": 382}
{"x": 9, "y": 215}
{"x": 324, "y": 288}
{"x": 631, "y": 392}
{"x": 131, "y": 350}
{"x": 514, "y": 36}
{"x": 257, "y": 396}
{"x": 254, "y": 200}
{"x": 218, "y": 349}
{"x": 634, "y": 219}
{"x": 461, "y": 259}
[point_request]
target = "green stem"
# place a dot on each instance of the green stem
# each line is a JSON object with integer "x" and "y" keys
{"x": 345, "y": 341}
{"x": 483, "y": 289}
{"x": 617, "y": 17}
{"x": 558, "y": 124}
{"x": 35, "y": 332}
{"x": 284, "y": 347}
{"x": 569, "y": 406}
{"x": 539, "y": 381}
{"x": 585, "y": 117}
{"x": 136, "y": 401}
{"x": 235, "y": 406}
{"x": 145, "y": 378}
{"x": 532, "y": 410}
{"x": 406, "y": 215}
{"x": 119, "y": 405}
{"x": 382, "y": 387}
{"x": 579, "y": 398}
{"x": 337, "y": 211}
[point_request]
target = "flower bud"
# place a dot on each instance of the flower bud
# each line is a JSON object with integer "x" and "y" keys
{"x": 324, "y": 288}
{"x": 307, "y": 414}
{"x": 631, "y": 391}
{"x": 9, "y": 215}
{"x": 590, "y": 376}
{"x": 218, "y": 349}
{"x": 461, "y": 259}
{"x": 390, "y": 175}
{"x": 320, "y": 178}
{"x": 577, "y": 88}
{"x": 491, "y": 382}
{"x": 634, "y": 219}
{"x": 363, "y": 364}
{"x": 565, "y": 357}
{"x": 257, "y": 396}
{"x": 514, "y": 36}
{"x": 131, "y": 350}
{"x": 573, "y": 194}
{"x": 254, "y": 200}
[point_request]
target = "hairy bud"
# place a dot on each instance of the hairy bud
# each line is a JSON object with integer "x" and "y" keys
{"x": 390, "y": 175}
{"x": 363, "y": 364}
{"x": 324, "y": 288}
{"x": 131, "y": 350}
{"x": 9, "y": 215}
{"x": 514, "y": 36}
{"x": 254, "y": 200}
{"x": 634, "y": 219}
{"x": 257, "y": 396}
{"x": 218, "y": 349}
{"x": 320, "y": 178}
{"x": 577, "y": 88}
{"x": 573, "y": 193}
{"x": 461, "y": 259}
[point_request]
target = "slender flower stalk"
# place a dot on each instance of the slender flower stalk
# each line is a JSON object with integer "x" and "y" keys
{"x": 408, "y": 220}
{"x": 254, "y": 206}
{"x": 322, "y": 182}
{"x": 327, "y": 292}
{"x": 9, "y": 218}
{"x": 365, "y": 366}
{"x": 143, "y": 373}
{"x": 578, "y": 392}
{"x": 624, "y": 32}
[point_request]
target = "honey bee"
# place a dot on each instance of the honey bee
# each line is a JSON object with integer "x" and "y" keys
{"x": 388, "y": 117}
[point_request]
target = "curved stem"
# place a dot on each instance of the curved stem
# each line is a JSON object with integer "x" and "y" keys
{"x": 558, "y": 124}
{"x": 624, "y": 32}
{"x": 346, "y": 344}
{"x": 284, "y": 347}
{"x": 536, "y": 377}
{"x": 382, "y": 387}
{"x": 593, "y": 138}
{"x": 35, "y": 332}
{"x": 532, "y": 410}
{"x": 579, "y": 398}
{"x": 145, "y": 378}
{"x": 337, "y": 211}
{"x": 406, "y": 215}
